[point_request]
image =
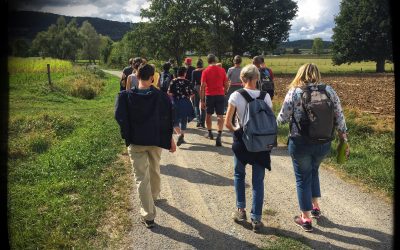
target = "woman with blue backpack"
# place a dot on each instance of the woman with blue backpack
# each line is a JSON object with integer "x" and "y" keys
{"x": 243, "y": 101}
{"x": 313, "y": 111}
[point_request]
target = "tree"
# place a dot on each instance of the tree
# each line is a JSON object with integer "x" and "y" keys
{"x": 363, "y": 33}
{"x": 105, "y": 48}
{"x": 259, "y": 25}
{"x": 59, "y": 41}
{"x": 19, "y": 47}
{"x": 318, "y": 46}
{"x": 91, "y": 42}
{"x": 296, "y": 51}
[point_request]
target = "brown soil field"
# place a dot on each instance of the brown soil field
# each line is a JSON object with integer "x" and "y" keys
{"x": 370, "y": 93}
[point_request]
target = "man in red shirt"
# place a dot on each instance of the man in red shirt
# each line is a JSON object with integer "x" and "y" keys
{"x": 214, "y": 85}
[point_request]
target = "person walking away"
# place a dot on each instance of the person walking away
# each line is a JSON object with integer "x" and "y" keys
{"x": 132, "y": 80}
{"x": 165, "y": 77}
{"x": 125, "y": 73}
{"x": 214, "y": 85}
{"x": 266, "y": 82}
{"x": 196, "y": 82}
{"x": 144, "y": 115}
{"x": 181, "y": 91}
{"x": 174, "y": 68}
{"x": 238, "y": 101}
{"x": 189, "y": 68}
{"x": 235, "y": 83}
{"x": 313, "y": 111}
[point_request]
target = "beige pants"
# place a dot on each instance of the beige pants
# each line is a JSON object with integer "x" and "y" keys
{"x": 146, "y": 167}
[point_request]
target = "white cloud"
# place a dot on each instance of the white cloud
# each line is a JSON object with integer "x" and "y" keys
{"x": 88, "y": 10}
{"x": 315, "y": 18}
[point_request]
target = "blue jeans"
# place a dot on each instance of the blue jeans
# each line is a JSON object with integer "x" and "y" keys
{"x": 181, "y": 123}
{"x": 306, "y": 160}
{"x": 258, "y": 173}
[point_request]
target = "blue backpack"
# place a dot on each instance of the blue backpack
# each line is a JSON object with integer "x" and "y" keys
{"x": 259, "y": 124}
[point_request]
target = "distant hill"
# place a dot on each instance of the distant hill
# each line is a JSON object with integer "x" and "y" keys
{"x": 302, "y": 44}
{"x": 26, "y": 24}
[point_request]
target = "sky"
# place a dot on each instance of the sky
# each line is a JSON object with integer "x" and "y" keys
{"x": 315, "y": 18}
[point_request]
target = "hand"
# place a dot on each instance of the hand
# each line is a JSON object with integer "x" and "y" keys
{"x": 202, "y": 105}
{"x": 173, "y": 146}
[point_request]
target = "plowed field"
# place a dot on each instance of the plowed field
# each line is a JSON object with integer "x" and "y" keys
{"x": 371, "y": 93}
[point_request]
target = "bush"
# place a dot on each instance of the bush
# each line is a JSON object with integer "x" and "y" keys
{"x": 39, "y": 143}
{"x": 83, "y": 90}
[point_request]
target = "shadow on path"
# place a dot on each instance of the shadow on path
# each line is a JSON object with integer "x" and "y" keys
{"x": 209, "y": 237}
{"x": 196, "y": 175}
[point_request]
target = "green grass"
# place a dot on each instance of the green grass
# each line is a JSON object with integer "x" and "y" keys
{"x": 291, "y": 63}
{"x": 371, "y": 141}
{"x": 273, "y": 242}
{"x": 61, "y": 148}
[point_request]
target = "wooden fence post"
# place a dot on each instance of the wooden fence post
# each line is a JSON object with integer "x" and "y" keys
{"x": 48, "y": 74}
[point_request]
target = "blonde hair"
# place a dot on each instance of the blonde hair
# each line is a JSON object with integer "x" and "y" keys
{"x": 307, "y": 73}
{"x": 249, "y": 72}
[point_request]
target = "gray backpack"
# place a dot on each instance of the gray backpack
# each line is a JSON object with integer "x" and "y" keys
{"x": 317, "y": 125}
{"x": 259, "y": 124}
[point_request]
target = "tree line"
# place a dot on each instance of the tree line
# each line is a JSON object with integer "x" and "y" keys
{"x": 223, "y": 27}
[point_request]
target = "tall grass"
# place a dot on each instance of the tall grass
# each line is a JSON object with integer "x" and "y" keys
{"x": 60, "y": 150}
{"x": 37, "y": 65}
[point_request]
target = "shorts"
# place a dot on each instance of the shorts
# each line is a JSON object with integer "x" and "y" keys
{"x": 215, "y": 103}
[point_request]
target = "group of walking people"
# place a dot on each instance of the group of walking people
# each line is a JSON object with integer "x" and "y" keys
{"x": 149, "y": 109}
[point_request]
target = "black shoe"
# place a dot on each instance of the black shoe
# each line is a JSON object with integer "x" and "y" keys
{"x": 147, "y": 223}
{"x": 316, "y": 213}
{"x": 198, "y": 125}
{"x": 306, "y": 225}
{"x": 180, "y": 140}
{"x": 218, "y": 141}
{"x": 210, "y": 136}
{"x": 203, "y": 125}
{"x": 257, "y": 225}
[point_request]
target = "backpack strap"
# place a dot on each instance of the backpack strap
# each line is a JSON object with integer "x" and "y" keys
{"x": 245, "y": 95}
{"x": 262, "y": 95}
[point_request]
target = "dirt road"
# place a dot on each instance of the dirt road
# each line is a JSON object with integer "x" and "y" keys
{"x": 198, "y": 197}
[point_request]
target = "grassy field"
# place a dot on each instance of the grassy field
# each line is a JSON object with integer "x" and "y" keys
{"x": 371, "y": 142}
{"x": 290, "y": 64}
{"x": 62, "y": 145}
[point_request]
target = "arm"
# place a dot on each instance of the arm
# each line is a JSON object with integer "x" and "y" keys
{"x": 226, "y": 85}
{"x": 228, "y": 119}
{"x": 287, "y": 108}
{"x": 202, "y": 95}
{"x": 123, "y": 81}
{"x": 340, "y": 122}
{"x": 128, "y": 82}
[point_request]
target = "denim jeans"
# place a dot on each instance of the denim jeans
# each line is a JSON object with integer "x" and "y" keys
{"x": 200, "y": 113}
{"x": 181, "y": 123}
{"x": 306, "y": 160}
{"x": 258, "y": 173}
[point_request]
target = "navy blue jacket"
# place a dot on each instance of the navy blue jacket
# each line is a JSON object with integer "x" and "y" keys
{"x": 145, "y": 119}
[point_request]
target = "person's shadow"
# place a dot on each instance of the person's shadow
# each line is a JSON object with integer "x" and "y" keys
{"x": 208, "y": 147}
{"x": 196, "y": 175}
{"x": 209, "y": 237}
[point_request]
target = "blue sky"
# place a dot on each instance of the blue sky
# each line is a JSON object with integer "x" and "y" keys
{"x": 315, "y": 18}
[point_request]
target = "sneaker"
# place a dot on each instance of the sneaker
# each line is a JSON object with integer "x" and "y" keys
{"x": 316, "y": 213}
{"x": 218, "y": 141}
{"x": 203, "y": 125}
{"x": 257, "y": 225}
{"x": 210, "y": 136}
{"x": 198, "y": 125}
{"x": 239, "y": 216}
{"x": 305, "y": 224}
{"x": 147, "y": 223}
{"x": 180, "y": 140}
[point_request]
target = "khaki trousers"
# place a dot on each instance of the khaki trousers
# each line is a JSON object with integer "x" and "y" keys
{"x": 146, "y": 168}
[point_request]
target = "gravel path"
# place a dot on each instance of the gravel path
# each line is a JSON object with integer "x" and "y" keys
{"x": 197, "y": 200}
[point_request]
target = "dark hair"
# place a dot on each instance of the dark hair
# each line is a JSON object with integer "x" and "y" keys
{"x": 237, "y": 59}
{"x": 136, "y": 62}
{"x": 166, "y": 66}
{"x": 130, "y": 61}
{"x": 211, "y": 58}
{"x": 145, "y": 71}
{"x": 181, "y": 71}
{"x": 199, "y": 63}
{"x": 257, "y": 60}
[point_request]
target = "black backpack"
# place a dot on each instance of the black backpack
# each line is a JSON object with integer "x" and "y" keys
{"x": 165, "y": 80}
{"x": 317, "y": 125}
{"x": 266, "y": 83}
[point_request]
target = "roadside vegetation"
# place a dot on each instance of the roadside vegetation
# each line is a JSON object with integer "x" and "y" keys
{"x": 62, "y": 146}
